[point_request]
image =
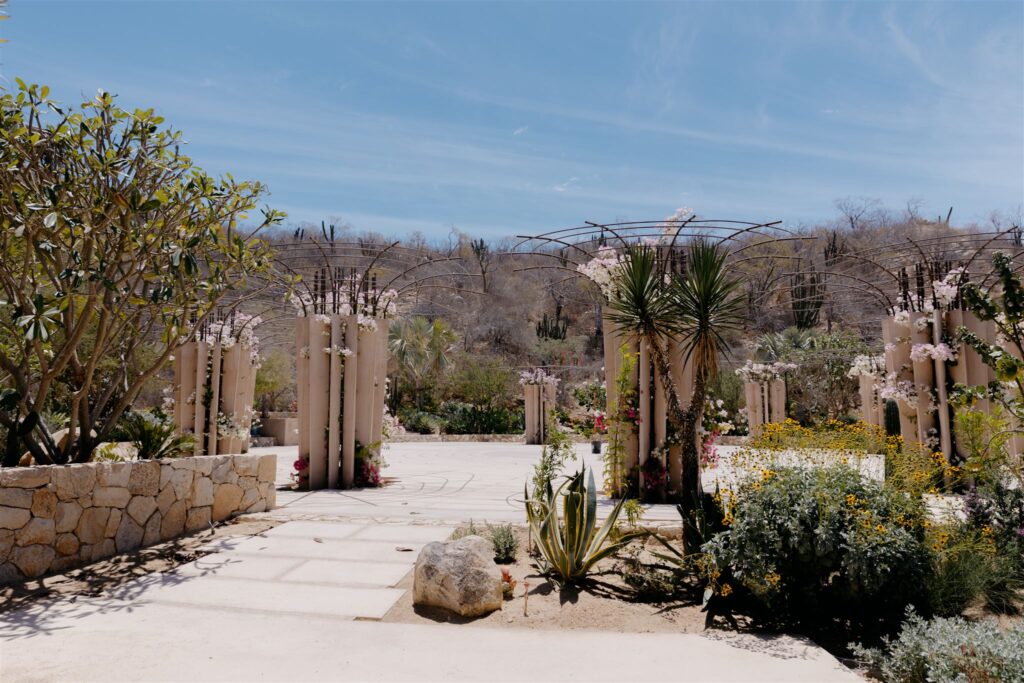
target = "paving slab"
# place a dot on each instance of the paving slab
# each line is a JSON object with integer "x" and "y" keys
{"x": 164, "y": 642}
{"x": 215, "y": 592}
{"x": 376, "y": 574}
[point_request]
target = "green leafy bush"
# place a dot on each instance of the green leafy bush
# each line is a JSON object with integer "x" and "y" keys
{"x": 466, "y": 418}
{"x": 420, "y": 422}
{"x": 947, "y": 651}
{"x": 505, "y": 542}
{"x": 152, "y": 437}
{"x": 823, "y": 543}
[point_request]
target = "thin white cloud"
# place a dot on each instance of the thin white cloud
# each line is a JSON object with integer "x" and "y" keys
{"x": 562, "y": 187}
{"x": 520, "y": 130}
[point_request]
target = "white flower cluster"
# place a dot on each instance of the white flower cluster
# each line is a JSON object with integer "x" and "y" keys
{"x": 239, "y": 329}
{"x": 948, "y": 287}
{"x": 603, "y": 269}
{"x": 341, "y": 351}
{"x": 537, "y": 376}
{"x": 716, "y": 418}
{"x": 940, "y": 352}
{"x": 897, "y": 390}
{"x": 228, "y": 428}
{"x": 867, "y": 365}
{"x": 764, "y": 372}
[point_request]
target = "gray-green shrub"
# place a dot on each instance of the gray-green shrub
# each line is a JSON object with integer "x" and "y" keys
{"x": 947, "y": 651}
{"x": 505, "y": 542}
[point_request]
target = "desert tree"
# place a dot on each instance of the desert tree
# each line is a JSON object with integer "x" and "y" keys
{"x": 115, "y": 248}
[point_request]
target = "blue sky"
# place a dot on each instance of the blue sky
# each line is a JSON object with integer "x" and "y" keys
{"x": 509, "y": 118}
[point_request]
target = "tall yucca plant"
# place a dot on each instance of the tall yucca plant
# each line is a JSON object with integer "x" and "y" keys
{"x": 642, "y": 305}
{"x": 700, "y": 307}
{"x": 571, "y": 544}
{"x": 709, "y": 307}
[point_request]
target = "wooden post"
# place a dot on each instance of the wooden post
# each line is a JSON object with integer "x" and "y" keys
{"x": 348, "y": 427}
{"x": 319, "y": 399}
{"x": 334, "y": 404}
{"x": 303, "y": 352}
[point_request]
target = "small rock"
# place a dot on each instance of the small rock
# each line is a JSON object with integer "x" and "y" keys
{"x": 204, "y": 464}
{"x": 152, "y": 532}
{"x": 92, "y": 525}
{"x": 111, "y": 496}
{"x": 44, "y": 504}
{"x": 74, "y": 481}
{"x": 36, "y": 531}
{"x": 6, "y": 544}
{"x": 226, "y": 501}
{"x": 115, "y": 474}
{"x": 129, "y": 535}
{"x": 67, "y": 544}
{"x": 16, "y": 498}
{"x": 247, "y": 465}
{"x": 67, "y": 516}
{"x": 144, "y": 479}
{"x": 202, "y": 492}
{"x": 33, "y": 560}
{"x": 13, "y": 518}
{"x": 173, "y": 522}
{"x": 460, "y": 576}
{"x": 181, "y": 482}
{"x": 141, "y": 507}
{"x": 198, "y": 518}
{"x": 267, "y": 468}
{"x": 24, "y": 477}
{"x": 165, "y": 499}
{"x": 113, "y": 522}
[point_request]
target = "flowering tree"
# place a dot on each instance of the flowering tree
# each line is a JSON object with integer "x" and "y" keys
{"x": 114, "y": 249}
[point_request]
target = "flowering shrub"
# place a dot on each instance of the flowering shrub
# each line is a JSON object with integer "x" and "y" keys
{"x": 864, "y": 364}
{"x": 590, "y": 395}
{"x": 537, "y": 376}
{"x": 829, "y": 435}
{"x": 764, "y": 372}
{"x": 821, "y": 544}
{"x": 950, "y": 650}
{"x": 940, "y": 352}
{"x": 603, "y": 269}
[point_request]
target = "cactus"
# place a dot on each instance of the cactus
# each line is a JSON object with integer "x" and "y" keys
{"x": 553, "y": 328}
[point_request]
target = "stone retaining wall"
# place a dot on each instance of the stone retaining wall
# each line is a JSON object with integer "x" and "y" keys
{"x": 53, "y": 518}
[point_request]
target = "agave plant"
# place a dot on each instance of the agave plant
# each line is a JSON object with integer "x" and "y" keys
{"x": 571, "y": 544}
{"x": 154, "y": 438}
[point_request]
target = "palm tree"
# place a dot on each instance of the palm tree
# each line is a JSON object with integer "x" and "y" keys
{"x": 699, "y": 307}
{"x": 422, "y": 350}
{"x": 709, "y": 306}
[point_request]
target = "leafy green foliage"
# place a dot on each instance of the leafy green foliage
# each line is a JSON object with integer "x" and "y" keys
{"x": 570, "y": 544}
{"x": 823, "y": 543}
{"x": 422, "y": 350}
{"x": 556, "y": 452}
{"x": 112, "y": 242}
{"x": 153, "y": 438}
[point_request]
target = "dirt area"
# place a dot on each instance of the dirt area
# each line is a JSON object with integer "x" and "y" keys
{"x": 605, "y": 602}
{"x": 98, "y": 577}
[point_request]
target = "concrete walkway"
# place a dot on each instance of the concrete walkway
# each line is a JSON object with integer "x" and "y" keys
{"x": 302, "y": 602}
{"x": 451, "y": 482}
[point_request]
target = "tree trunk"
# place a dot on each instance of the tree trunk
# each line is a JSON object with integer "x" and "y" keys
{"x": 690, "y": 493}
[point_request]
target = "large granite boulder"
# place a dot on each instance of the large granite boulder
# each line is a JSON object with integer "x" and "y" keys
{"x": 459, "y": 576}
